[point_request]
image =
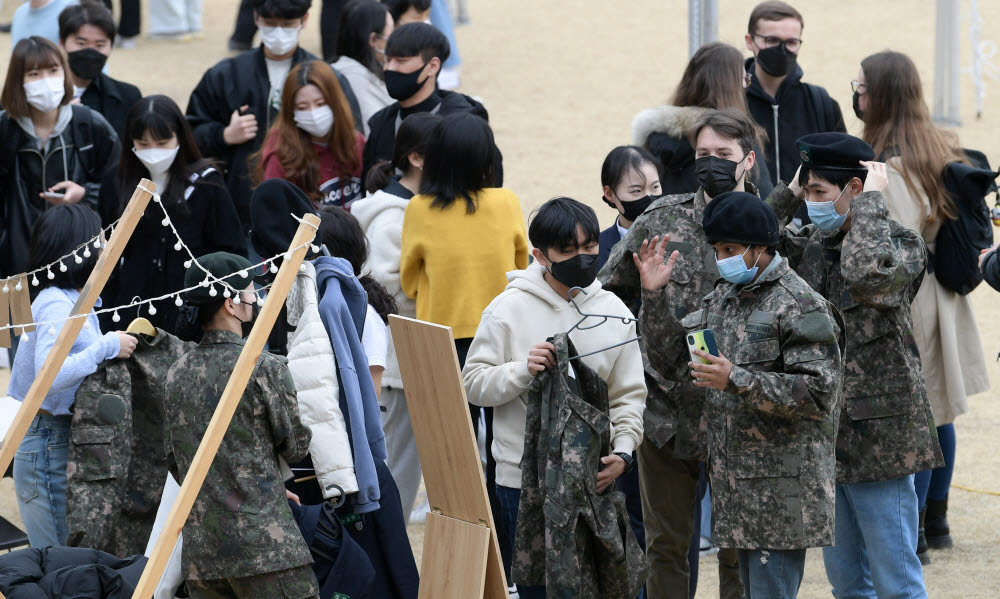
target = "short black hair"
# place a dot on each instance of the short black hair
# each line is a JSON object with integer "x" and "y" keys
{"x": 398, "y": 7}
{"x": 838, "y": 177}
{"x": 554, "y": 224}
{"x": 281, "y": 9}
{"x": 207, "y": 311}
{"x": 88, "y": 12}
{"x": 418, "y": 38}
{"x": 57, "y": 232}
{"x": 459, "y": 160}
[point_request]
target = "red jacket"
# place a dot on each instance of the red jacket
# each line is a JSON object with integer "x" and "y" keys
{"x": 335, "y": 189}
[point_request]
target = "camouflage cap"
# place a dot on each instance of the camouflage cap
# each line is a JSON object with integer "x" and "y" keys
{"x": 236, "y": 271}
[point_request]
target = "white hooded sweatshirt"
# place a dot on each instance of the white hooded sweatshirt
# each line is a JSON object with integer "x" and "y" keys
{"x": 528, "y": 312}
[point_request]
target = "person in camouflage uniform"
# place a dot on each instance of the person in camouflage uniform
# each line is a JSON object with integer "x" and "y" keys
{"x": 674, "y": 422}
{"x": 870, "y": 267}
{"x": 115, "y": 471}
{"x": 240, "y": 540}
{"x": 772, "y": 400}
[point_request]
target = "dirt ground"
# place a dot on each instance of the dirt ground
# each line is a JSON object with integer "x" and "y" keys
{"x": 562, "y": 81}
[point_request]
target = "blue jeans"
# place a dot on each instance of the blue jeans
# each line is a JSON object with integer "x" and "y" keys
{"x": 934, "y": 484}
{"x": 876, "y": 550}
{"x": 508, "y": 499}
{"x": 441, "y": 18}
{"x": 40, "y": 480}
{"x": 771, "y": 574}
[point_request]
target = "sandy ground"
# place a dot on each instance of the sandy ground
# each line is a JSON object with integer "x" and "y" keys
{"x": 562, "y": 81}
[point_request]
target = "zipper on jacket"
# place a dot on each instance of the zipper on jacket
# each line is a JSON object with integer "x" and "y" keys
{"x": 777, "y": 146}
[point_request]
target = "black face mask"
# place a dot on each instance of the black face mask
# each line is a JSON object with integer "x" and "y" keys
{"x": 776, "y": 61}
{"x": 578, "y": 271}
{"x": 632, "y": 210}
{"x": 857, "y": 109}
{"x": 86, "y": 63}
{"x": 248, "y": 325}
{"x": 716, "y": 175}
{"x": 403, "y": 85}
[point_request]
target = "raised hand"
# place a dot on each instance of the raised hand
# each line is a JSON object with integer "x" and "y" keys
{"x": 654, "y": 272}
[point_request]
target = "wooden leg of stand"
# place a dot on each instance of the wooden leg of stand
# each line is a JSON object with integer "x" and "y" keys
{"x": 454, "y": 562}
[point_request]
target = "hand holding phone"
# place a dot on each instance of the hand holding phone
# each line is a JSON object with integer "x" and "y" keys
{"x": 703, "y": 340}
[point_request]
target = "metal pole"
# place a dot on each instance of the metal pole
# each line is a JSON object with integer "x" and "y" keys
{"x": 703, "y": 23}
{"x": 947, "y": 68}
{"x": 694, "y": 26}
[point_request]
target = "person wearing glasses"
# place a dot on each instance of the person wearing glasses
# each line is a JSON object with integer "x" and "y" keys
{"x": 778, "y": 99}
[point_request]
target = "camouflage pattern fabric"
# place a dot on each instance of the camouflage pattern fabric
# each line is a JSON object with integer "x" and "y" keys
{"x": 871, "y": 273}
{"x": 294, "y": 583}
{"x": 115, "y": 469}
{"x": 240, "y": 524}
{"x": 772, "y": 431}
{"x": 674, "y": 407}
{"x": 570, "y": 539}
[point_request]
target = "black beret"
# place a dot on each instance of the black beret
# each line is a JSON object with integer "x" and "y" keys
{"x": 271, "y": 208}
{"x": 235, "y": 271}
{"x": 740, "y": 217}
{"x": 833, "y": 152}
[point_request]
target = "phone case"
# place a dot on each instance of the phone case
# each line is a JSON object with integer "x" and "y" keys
{"x": 703, "y": 340}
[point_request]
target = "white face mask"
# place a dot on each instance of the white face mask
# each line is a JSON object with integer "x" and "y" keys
{"x": 315, "y": 122}
{"x": 157, "y": 160}
{"x": 279, "y": 40}
{"x": 46, "y": 94}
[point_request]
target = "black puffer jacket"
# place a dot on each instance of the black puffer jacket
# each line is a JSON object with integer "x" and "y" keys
{"x": 81, "y": 150}
{"x": 664, "y": 132}
{"x": 59, "y": 572}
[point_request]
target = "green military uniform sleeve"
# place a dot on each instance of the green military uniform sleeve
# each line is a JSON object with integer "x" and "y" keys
{"x": 808, "y": 385}
{"x": 793, "y": 238}
{"x": 291, "y": 437}
{"x": 880, "y": 260}
{"x": 662, "y": 333}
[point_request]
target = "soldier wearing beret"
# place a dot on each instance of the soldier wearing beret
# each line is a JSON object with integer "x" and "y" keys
{"x": 674, "y": 438}
{"x": 240, "y": 539}
{"x": 772, "y": 402}
{"x": 870, "y": 267}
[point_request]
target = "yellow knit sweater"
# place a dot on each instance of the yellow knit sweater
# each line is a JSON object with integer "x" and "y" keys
{"x": 454, "y": 263}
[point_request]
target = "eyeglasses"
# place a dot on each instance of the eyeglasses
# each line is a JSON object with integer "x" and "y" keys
{"x": 858, "y": 87}
{"x": 747, "y": 79}
{"x": 792, "y": 45}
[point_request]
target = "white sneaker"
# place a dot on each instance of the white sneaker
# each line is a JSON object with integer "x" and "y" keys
{"x": 706, "y": 548}
{"x": 450, "y": 78}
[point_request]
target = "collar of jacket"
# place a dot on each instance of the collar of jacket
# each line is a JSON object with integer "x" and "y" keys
{"x": 220, "y": 337}
{"x": 772, "y": 273}
{"x": 792, "y": 79}
{"x": 105, "y": 86}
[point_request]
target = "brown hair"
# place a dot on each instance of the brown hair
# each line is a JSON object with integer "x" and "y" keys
{"x": 293, "y": 146}
{"x": 729, "y": 123}
{"x": 898, "y": 123}
{"x": 772, "y": 10}
{"x": 712, "y": 79}
{"x": 31, "y": 53}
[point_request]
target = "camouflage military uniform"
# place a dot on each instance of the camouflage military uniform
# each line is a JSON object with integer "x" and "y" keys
{"x": 240, "y": 526}
{"x": 573, "y": 541}
{"x": 772, "y": 431}
{"x": 115, "y": 470}
{"x": 871, "y": 273}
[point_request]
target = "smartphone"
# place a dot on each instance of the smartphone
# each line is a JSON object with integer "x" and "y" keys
{"x": 52, "y": 195}
{"x": 703, "y": 340}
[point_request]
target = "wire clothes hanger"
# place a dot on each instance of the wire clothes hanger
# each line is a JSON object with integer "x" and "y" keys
{"x": 604, "y": 318}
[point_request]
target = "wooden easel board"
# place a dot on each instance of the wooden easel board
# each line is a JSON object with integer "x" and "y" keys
{"x": 456, "y": 553}
{"x": 449, "y": 455}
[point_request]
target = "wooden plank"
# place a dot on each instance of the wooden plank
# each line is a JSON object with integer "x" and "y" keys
{"x": 20, "y": 304}
{"x": 228, "y": 403}
{"x": 449, "y": 455}
{"x": 454, "y": 562}
{"x": 4, "y": 317}
{"x": 71, "y": 328}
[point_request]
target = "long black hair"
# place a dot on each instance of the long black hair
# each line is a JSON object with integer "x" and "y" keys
{"x": 342, "y": 235}
{"x": 412, "y": 136}
{"x": 458, "y": 161}
{"x": 358, "y": 20}
{"x": 162, "y": 117}
{"x": 57, "y": 232}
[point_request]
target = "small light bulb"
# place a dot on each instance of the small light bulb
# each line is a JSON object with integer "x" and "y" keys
{"x": 302, "y": 267}
{"x": 178, "y": 246}
{"x": 6, "y": 289}
{"x": 225, "y": 293}
{"x": 24, "y": 336}
{"x": 52, "y": 331}
{"x": 274, "y": 269}
{"x": 212, "y": 291}
{"x": 314, "y": 248}
{"x": 86, "y": 252}
{"x": 115, "y": 317}
{"x": 77, "y": 259}
{"x": 152, "y": 309}
{"x": 62, "y": 267}
{"x": 244, "y": 274}
{"x": 86, "y": 325}
{"x": 165, "y": 222}
{"x": 236, "y": 300}
{"x": 287, "y": 256}
{"x": 97, "y": 244}
{"x": 50, "y": 275}
{"x": 205, "y": 283}
{"x": 187, "y": 264}
{"x": 34, "y": 281}
{"x": 19, "y": 286}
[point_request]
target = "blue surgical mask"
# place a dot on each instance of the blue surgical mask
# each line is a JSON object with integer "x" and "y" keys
{"x": 824, "y": 214}
{"x": 734, "y": 269}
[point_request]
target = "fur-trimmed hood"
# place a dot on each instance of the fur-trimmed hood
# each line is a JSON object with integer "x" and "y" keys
{"x": 674, "y": 121}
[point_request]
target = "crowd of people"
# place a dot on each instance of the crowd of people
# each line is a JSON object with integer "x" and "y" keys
{"x": 774, "y": 336}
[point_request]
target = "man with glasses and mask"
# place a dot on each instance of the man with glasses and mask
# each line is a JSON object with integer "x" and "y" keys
{"x": 777, "y": 98}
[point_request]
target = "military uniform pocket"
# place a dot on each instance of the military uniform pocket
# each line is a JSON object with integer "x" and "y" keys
{"x": 766, "y": 464}
{"x": 554, "y": 512}
{"x": 298, "y": 583}
{"x": 895, "y": 399}
{"x": 752, "y": 352}
{"x": 96, "y": 456}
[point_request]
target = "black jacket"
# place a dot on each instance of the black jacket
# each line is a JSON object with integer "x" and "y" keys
{"x": 150, "y": 266}
{"x": 664, "y": 132}
{"x": 113, "y": 99}
{"x": 799, "y": 109}
{"x": 382, "y": 129}
{"x": 76, "y": 572}
{"x": 230, "y": 84}
{"x": 609, "y": 237}
{"x": 991, "y": 270}
{"x": 83, "y": 152}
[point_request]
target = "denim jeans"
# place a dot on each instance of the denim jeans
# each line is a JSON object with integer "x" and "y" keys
{"x": 934, "y": 484}
{"x": 876, "y": 550}
{"x": 40, "y": 480}
{"x": 508, "y": 499}
{"x": 771, "y": 574}
{"x": 441, "y": 18}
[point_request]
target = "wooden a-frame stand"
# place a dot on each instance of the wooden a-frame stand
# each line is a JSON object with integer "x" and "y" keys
{"x": 461, "y": 552}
